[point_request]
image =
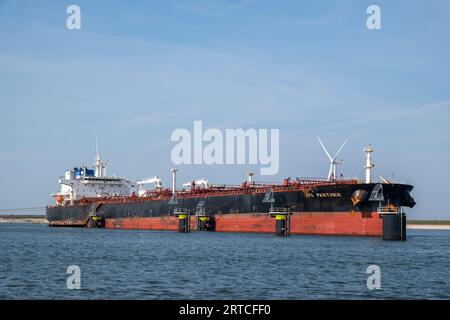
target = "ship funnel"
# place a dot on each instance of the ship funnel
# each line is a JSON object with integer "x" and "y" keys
{"x": 333, "y": 161}
{"x": 174, "y": 181}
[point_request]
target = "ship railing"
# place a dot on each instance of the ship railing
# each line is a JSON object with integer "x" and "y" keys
{"x": 396, "y": 182}
{"x": 326, "y": 179}
{"x": 308, "y": 180}
{"x": 389, "y": 210}
{"x": 278, "y": 211}
{"x": 265, "y": 183}
{"x": 180, "y": 211}
{"x": 220, "y": 190}
{"x": 222, "y": 186}
{"x": 260, "y": 185}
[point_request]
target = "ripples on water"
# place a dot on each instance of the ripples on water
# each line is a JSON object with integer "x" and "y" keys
{"x": 130, "y": 264}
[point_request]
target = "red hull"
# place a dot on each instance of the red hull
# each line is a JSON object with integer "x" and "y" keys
{"x": 153, "y": 223}
{"x": 325, "y": 223}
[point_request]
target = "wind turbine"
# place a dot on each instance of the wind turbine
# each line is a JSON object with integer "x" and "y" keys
{"x": 333, "y": 161}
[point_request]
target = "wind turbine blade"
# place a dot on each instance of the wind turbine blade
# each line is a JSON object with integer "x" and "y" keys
{"x": 330, "y": 172}
{"x": 337, "y": 153}
{"x": 325, "y": 149}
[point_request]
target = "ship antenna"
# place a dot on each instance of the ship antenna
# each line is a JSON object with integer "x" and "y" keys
{"x": 333, "y": 161}
{"x": 96, "y": 147}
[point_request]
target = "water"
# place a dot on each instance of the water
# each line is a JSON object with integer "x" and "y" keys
{"x": 129, "y": 264}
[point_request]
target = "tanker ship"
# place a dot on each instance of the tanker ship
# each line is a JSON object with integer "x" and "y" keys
{"x": 326, "y": 206}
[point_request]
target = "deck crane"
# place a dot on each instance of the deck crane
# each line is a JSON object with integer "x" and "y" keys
{"x": 202, "y": 183}
{"x": 140, "y": 185}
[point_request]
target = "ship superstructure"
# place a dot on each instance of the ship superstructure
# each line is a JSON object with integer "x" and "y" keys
{"x": 82, "y": 182}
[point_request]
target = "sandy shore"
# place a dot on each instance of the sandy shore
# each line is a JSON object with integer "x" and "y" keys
{"x": 428, "y": 227}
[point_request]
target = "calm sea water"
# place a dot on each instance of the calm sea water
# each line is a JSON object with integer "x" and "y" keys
{"x": 128, "y": 264}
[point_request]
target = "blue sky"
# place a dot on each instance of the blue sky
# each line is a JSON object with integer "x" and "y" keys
{"x": 135, "y": 72}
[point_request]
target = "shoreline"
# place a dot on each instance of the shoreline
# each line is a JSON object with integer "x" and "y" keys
{"x": 428, "y": 224}
{"x": 415, "y": 226}
{"x": 34, "y": 219}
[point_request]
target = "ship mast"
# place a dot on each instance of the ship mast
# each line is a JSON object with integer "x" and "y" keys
{"x": 250, "y": 178}
{"x": 99, "y": 165}
{"x": 369, "y": 165}
{"x": 174, "y": 181}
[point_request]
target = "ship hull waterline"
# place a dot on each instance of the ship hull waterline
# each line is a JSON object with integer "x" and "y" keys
{"x": 318, "y": 223}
